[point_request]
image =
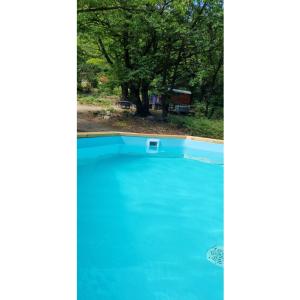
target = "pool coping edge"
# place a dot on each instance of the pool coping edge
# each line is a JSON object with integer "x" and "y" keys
{"x": 120, "y": 133}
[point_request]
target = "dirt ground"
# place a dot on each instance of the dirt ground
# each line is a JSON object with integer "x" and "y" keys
{"x": 93, "y": 118}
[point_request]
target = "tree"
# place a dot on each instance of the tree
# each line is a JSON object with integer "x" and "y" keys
{"x": 161, "y": 44}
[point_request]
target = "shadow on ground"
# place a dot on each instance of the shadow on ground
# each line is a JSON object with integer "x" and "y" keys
{"x": 91, "y": 118}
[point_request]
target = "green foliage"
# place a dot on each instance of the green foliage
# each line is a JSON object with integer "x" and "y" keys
{"x": 214, "y": 112}
{"x": 161, "y": 44}
{"x": 200, "y": 110}
{"x": 96, "y": 99}
{"x": 199, "y": 126}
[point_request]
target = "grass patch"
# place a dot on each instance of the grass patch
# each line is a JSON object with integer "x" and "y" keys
{"x": 199, "y": 126}
{"x": 96, "y": 99}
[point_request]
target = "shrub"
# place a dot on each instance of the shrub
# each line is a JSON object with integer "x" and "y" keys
{"x": 199, "y": 110}
{"x": 199, "y": 126}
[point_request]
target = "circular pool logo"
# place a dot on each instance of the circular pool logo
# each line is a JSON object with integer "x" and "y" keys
{"x": 216, "y": 255}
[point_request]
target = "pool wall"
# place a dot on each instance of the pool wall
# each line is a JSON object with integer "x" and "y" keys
{"x": 97, "y": 145}
{"x": 119, "y": 133}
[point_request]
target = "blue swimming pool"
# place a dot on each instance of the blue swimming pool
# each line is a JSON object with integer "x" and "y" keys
{"x": 150, "y": 221}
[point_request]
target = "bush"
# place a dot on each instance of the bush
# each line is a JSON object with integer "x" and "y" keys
{"x": 85, "y": 86}
{"x": 199, "y": 110}
{"x": 199, "y": 126}
{"x": 218, "y": 113}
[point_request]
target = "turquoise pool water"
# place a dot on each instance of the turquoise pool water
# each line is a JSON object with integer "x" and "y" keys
{"x": 146, "y": 221}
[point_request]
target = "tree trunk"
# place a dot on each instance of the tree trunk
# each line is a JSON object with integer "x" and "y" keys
{"x": 124, "y": 94}
{"x": 135, "y": 98}
{"x": 206, "y": 108}
{"x": 145, "y": 98}
{"x": 164, "y": 102}
{"x": 212, "y": 111}
{"x": 165, "y": 107}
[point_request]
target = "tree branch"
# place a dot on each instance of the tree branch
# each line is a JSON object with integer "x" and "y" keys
{"x": 166, "y": 3}
{"x": 104, "y": 52}
{"x": 199, "y": 15}
{"x": 105, "y": 8}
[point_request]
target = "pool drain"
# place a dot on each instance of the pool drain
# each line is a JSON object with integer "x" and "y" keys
{"x": 216, "y": 256}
